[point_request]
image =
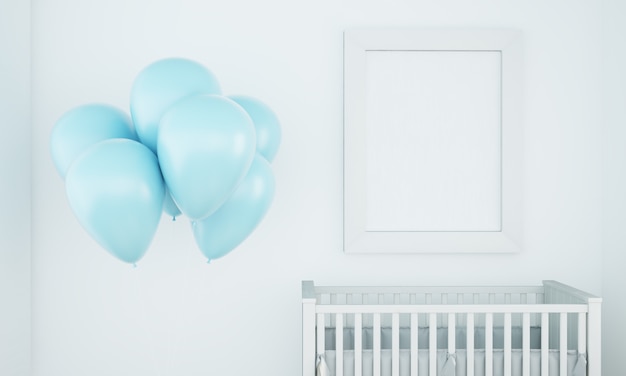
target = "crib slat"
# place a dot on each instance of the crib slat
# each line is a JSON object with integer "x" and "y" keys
{"x": 526, "y": 344}
{"x": 376, "y": 345}
{"x": 432, "y": 345}
{"x": 358, "y": 344}
{"x": 395, "y": 344}
{"x": 563, "y": 345}
{"x": 545, "y": 343}
{"x": 321, "y": 334}
{"x": 333, "y": 301}
{"x": 339, "y": 345}
{"x": 451, "y": 333}
{"x": 507, "y": 344}
{"x": 470, "y": 344}
{"x": 582, "y": 333}
{"x": 489, "y": 344}
{"x": 414, "y": 344}
{"x": 349, "y": 319}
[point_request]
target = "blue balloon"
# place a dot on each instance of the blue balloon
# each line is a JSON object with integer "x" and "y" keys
{"x": 116, "y": 190}
{"x": 231, "y": 224}
{"x": 205, "y": 147}
{"x": 160, "y": 85}
{"x": 84, "y": 126}
{"x": 268, "y": 133}
{"x": 169, "y": 206}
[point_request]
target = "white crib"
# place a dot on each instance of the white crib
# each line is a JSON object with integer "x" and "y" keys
{"x": 548, "y": 330}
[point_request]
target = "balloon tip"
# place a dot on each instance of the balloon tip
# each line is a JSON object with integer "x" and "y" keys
{"x": 208, "y": 261}
{"x": 173, "y": 218}
{"x": 134, "y": 265}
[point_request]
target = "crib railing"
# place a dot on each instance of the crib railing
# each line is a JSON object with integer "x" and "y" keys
{"x": 567, "y": 319}
{"x": 558, "y": 293}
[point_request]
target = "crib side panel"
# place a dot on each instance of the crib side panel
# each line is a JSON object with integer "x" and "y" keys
{"x": 558, "y": 293}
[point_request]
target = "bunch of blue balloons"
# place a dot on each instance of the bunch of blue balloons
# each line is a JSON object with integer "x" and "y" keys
{"x": 187, "y": 150}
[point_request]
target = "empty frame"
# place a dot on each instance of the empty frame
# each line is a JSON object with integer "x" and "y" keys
{"x": 432, "y": 148}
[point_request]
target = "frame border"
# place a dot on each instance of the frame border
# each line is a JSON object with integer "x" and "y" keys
{"x": 356, "y": 239}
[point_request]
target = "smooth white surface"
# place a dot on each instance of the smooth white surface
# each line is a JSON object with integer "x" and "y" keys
{"x": 433, "y": 141}
{"x": 174, "y": 314}
{"x": 15, "y": 125}
{"x": 439, "y": 169}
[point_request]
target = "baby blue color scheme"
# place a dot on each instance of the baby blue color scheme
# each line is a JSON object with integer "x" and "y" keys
{"x": 169, "y": 206}
{"x": 268, "y": 133}
{"x": 116, "y": 191}
{"x": 231, "y": 224}
{"x": 205, "y": 146}
{"x": 84, "y": 126}
{"x": 162, "y": 84}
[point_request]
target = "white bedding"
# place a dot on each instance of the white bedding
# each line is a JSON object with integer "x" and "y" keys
{"x": 455, "y": 366}
{"x": 576, "y": 364}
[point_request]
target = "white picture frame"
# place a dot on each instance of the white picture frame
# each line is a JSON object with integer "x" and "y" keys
{"x": 475, "y": 206}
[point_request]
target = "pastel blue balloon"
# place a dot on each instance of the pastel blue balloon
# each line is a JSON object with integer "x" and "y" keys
{"x": 268, "y": 132}
{"x": 169, "y": 206}
{"x": 116, "y": 190}
{"x": 84, "y": 126}
{"x": 236, "y": 219}
{"x": 205, "y": 147}
{"x": 160, "y": 85}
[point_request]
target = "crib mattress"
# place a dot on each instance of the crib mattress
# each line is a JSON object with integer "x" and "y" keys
{"x": 456, "y": 366}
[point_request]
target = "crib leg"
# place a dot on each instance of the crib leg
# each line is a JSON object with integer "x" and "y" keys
{"x": 594, "y": 345}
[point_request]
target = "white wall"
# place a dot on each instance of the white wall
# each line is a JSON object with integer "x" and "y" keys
{"x": 15, "y": 205}
{"x": 614, "y": 279}
{"x": 175, "y": 314}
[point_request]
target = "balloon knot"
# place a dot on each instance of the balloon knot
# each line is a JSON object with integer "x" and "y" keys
{"x": 173, "y": 218}
{"x": 208, "y": 261}
{"x": 134, "y": 265}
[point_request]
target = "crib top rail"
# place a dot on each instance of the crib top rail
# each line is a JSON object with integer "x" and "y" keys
{"x": 557, "y": 292}
{"x": 454, "y": 308}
